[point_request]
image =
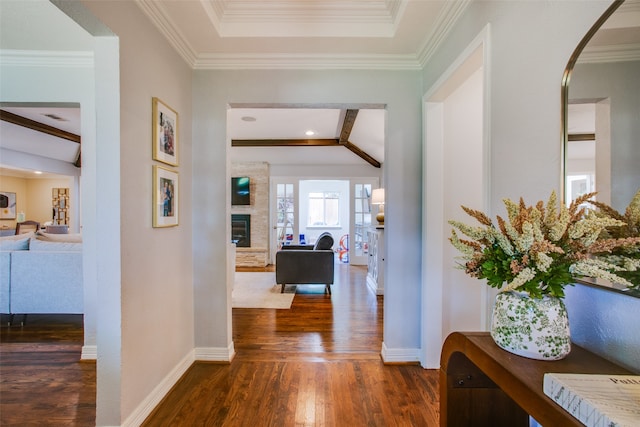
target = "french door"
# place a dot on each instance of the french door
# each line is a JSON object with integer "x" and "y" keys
{"x": 285, "y": 224}
{"x": 360, "y": 219}
{"x": 286, "y": 206}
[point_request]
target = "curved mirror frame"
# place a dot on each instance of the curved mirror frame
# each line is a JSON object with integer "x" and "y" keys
{"x": 565, "y": 101}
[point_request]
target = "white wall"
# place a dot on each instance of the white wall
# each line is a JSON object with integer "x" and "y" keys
{"x": 156, "y": 264}
{"x": 456, "y": 173}
{"x": 40, "y": 199}
{"x": 400, "y": 91}
{"x": 464, "y": 169}
{"x": 531, "y": 42}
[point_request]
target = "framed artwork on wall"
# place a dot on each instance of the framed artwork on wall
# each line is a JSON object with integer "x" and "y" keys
{"x": 165, "y": 133}
{"x": 60, "y": 204}
{"x": 165, "y": 197}
{"x": 7, "y": 205}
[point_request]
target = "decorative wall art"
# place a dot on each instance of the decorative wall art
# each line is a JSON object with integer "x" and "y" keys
{"x": 165, "y": 133}
{"x": 165, "y": 197}
{"x": 7, "y": 205}
{"x": 60, "y": 203}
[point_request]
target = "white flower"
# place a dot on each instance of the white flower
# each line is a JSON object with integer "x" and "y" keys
{"x": 523, "y": 277}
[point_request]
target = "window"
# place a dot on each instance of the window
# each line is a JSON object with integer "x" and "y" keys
{"x": 324, "y": 209}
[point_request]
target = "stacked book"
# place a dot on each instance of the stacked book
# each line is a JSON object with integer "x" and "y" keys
{"x": 597, "y": 400}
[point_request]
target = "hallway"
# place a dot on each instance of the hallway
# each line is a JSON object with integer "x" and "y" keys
{"x": 317, "y": 364}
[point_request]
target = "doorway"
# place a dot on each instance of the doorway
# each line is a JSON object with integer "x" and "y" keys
{"x": 302, "y": 209}
{"x": 456, "y": 173}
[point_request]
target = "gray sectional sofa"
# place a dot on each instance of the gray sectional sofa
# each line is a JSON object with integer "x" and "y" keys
{"x": 41, "y": 273}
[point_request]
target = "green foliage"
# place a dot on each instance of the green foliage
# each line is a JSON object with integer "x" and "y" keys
{"x": 540, "y": 249}
{"x": 496, "y": 268}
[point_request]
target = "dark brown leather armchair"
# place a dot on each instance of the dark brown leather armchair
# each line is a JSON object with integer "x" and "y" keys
{"x": 306, "y": 264}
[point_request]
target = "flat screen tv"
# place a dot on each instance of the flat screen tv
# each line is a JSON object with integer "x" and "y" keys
{"x": 240, "y": 193}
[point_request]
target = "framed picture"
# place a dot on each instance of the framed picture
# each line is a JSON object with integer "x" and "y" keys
{"x": 7, "y": 205}
{"x": 165, "y": 133}
{"x": 165, "y": 197}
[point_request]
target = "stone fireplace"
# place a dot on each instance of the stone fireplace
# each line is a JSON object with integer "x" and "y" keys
{"x": 252, "y": 251}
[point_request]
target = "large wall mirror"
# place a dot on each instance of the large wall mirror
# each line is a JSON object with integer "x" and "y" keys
{"x": 601, "y": 112}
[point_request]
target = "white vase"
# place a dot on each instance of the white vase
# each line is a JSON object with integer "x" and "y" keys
{"x": 531, "y": 327}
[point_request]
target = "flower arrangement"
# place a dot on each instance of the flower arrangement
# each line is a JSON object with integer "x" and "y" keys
{"x": 540, "y": 249}
{"x": 626, "y": 257}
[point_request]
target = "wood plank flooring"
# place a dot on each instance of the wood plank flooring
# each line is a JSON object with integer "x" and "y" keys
{"x": 316, "y": 364}
{"x": 42, "y": 381}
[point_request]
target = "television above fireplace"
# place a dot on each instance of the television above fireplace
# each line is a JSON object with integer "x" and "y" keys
{"x": 240, "y": 191}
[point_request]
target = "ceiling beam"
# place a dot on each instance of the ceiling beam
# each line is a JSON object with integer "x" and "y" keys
{"x": 347, "y": 125}
{"x": 355, "y": 149}
{"x": 38, "y": 127}
{"x": 284, "y": 142}
{"x": 582, "y": 137}
{"x": 41, "y": 127}
{"x": 348, "y": 120}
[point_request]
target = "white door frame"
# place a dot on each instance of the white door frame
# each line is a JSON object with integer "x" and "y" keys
{"x": 435, "y": 316}
{"x": 273, "y": 239}
{"x": 374, "y": 183}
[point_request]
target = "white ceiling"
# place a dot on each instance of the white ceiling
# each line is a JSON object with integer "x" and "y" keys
{"x": 292, "y": 123}
{"x": 303, "y": 33}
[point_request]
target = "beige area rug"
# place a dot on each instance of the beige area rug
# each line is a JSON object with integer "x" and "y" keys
{"x": 259, "y": 290}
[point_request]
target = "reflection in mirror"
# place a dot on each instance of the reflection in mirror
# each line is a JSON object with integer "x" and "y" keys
{"x": 601, "y": 110}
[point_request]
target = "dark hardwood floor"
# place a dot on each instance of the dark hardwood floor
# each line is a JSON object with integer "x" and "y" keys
{"x": 316, "y": 364}
{"x": 42, "y": 381}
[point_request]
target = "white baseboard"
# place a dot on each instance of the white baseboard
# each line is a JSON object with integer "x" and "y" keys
{"x": 399, "y": 355}
{"x": 374, "y": 286}
{"x": 89, "y": 352}
{"x": 159, "y": 392}
{"x": 215, "y": 354}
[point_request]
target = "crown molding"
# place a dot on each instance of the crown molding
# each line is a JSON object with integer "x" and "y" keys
{"x": 445, "y": 21}
{"x": 160, "y": 18}
{"x": 292, "y": 18}
{"x": 616, "y": 53}
{"x": 46, "y": 58}
{"x": 305, "y": 61}
{"x": 223, "y": 61}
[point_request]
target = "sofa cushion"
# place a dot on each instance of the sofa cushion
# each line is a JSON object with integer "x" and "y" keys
{"x": 15, "y": 244}
{"x": 51, "y": 237}
{"x": 44, "y": 246}
{"x": 325, "y": 241}
{"x": 17, "y": 236}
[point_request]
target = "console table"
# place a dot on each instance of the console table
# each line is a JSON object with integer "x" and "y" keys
{"x": 483, "y": 385}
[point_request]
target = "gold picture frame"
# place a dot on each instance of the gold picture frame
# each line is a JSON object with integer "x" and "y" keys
{"x": 165, "y": 133}
{"x": 7, "y": 205}
{"x": 165, "y": 197}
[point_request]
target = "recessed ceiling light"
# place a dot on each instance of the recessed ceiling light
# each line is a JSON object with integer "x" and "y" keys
{"x": 309, "y": 133}
{"x": 248, "y": 119}
{"x": 38, "y": 172}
